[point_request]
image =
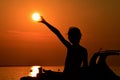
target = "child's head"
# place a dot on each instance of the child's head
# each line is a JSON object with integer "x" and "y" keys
{"x": 74, "y": 35}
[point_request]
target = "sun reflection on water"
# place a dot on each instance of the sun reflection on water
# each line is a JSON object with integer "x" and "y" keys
{"x": 34, "y": 71}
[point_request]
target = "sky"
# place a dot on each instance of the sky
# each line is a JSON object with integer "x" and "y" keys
{"x": 25, "y": 42}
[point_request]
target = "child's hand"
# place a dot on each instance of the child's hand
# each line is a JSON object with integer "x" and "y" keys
{"x": 42, "y": 20}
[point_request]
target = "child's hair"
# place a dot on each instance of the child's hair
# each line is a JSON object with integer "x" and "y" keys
{"x": 74, "y": 34}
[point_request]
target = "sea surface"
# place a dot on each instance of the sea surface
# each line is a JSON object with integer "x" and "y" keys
{"x": 15, "y": 73}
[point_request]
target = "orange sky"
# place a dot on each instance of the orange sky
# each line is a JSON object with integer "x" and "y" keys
{"x": 25, "y": 42}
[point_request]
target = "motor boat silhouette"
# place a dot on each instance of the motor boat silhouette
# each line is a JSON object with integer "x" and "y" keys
{"x": 97, "y": 70}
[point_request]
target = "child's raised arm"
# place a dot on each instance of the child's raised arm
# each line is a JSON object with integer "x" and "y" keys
{"x": 56, "y": 31}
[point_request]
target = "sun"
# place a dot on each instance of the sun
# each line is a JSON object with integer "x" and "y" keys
{"x": 36, "y": 16}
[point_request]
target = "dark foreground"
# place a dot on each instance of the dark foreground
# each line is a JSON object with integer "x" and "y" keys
{"x": 97, "y": 70}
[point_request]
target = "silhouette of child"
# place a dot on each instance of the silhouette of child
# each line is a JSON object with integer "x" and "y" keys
{"x": 76, "y": 54}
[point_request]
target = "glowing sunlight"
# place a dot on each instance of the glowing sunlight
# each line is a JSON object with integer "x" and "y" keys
{"x": 36, "y": 16}
{"x": 34, "y": 71}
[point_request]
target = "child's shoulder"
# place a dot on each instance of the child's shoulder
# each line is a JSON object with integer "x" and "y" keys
{"x": 83, "y": 48}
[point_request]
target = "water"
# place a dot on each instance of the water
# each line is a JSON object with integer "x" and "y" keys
{"x": 15, "y": 73}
